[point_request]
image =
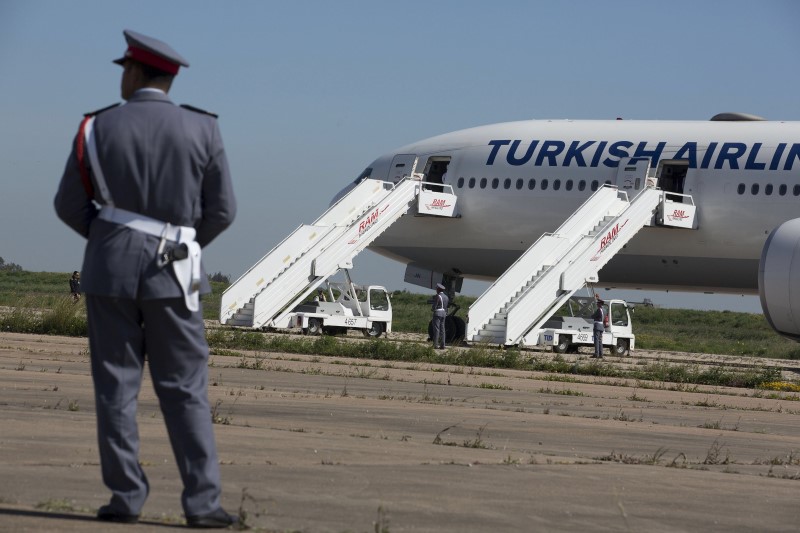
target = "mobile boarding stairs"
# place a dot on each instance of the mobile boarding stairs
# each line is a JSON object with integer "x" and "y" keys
{"x": 266, "y": 295}
{"x": 513, "y": 310}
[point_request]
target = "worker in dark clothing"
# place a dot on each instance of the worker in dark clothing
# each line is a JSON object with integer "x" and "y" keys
{"x": 75, "y": 286}
{"x": 598, "y": 328}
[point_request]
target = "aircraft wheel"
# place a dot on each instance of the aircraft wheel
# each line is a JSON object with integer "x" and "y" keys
{"x": 375, "y": 331}
{"x": 454, "y": 328}
{"x": 314, "y": 326}
{"x": 621, "y": 348}
{"x": 563, "y": 344}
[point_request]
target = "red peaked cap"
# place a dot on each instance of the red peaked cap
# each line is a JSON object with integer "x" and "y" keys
{"x": 152, "y": 52}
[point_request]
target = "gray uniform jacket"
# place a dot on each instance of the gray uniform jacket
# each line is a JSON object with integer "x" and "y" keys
{"x": 598, "y": 317}
{"x": 159, "y": 160}
{"x": 440, "y": 303}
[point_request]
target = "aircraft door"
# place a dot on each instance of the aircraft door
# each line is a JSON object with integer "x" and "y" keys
{"x": 671, "y": 177}
{"x": 403, "y": 165}
{"x": 632, "y": 174}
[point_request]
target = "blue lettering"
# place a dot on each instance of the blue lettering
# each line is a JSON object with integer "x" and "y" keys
{"x": 709, "y": 154}
{"x": 616, "y": 150}
{"x": 730, "y": 152}
{"x": 689, "y": 152}
{"x": 794, "y": 153}
{"x": 751, "y": 159}
{"x": 776, "y": 157}
{"x": 654, "y": 155}
{"x": 576, "y": 152}
{"x": 550, "y": 149}
{"x": 496, "y": 145}
{"x": 511, "y": 157}
{"x": 733, "y": 155}
{"x": 598, "y": 153}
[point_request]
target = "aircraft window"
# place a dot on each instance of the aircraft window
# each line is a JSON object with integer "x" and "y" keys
{"x": 520, "y": 183}
{"x": 569, "y": 185}
{"x": 741, "y": 188}
{"x": 556, "y": 185}
{"x": 495, "y": 183}
{"x": 460, "y": 183}
{"x": 543, "y": 185}
{"x": 594, "y": 185}
{"x": 796, "y": 190}
{"x": 754, "y": 189}
{"x": 581, "y": 185}
{"x": 507, "y": 184}
{"x": 768, "y": 189}
{"x": 472, "y": 183}
{"x": 782, "y": 190}
{"x": 532, "y": 185}
{"x": 483, "y": 183}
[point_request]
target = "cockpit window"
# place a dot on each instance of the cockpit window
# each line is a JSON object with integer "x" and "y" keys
{"x": 363, "y": 176}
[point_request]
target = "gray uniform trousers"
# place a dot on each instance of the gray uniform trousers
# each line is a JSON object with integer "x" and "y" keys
{"x": 438, "y": 329}
{"x": 598, "y": 338}
{"x": 121, "y": 332}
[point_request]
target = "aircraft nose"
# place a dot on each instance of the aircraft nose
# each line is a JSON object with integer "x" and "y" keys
{"x": 339, "y": 195}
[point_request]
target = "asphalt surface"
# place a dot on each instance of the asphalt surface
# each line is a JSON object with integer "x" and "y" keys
{"x": 323, "y": 444}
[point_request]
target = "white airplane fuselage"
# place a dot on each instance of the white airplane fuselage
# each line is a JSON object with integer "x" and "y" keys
{"x": 515, "y": 181}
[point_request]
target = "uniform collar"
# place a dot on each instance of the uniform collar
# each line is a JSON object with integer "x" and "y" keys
{"x": 150, "y": 94}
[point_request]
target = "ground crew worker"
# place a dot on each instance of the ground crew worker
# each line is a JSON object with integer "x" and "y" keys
{"x": 160, "y": 174}
{"x": 598, "y": 328}
{"x": 439, "y": 308}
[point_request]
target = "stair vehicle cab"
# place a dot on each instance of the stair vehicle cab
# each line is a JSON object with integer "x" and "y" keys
{"x": 342, "y": 306}
{"x": 572, "y": 327}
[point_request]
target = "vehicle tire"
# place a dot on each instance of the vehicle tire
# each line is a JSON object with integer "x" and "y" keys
{"x": 621, "y": 348}
{"x": 314, "y": 326}
{"x": 562, "y": 345}
{"x": 375, "y": 331}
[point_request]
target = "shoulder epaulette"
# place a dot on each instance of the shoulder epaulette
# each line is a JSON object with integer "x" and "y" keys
{"x": 94, "y": 113}
{"x": 198, "y": 110}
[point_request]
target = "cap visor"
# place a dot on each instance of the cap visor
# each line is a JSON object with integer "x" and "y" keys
{"x": 120, "y": 61}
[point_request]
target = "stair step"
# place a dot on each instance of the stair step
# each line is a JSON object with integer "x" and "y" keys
{"x": 237, "y": 322}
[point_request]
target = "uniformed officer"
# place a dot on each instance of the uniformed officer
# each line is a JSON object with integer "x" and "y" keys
{"x": 160, "y": 176}
{"x": 440, "y": 303}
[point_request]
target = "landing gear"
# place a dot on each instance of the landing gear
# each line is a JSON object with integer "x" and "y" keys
{"x": 454, "y": 329}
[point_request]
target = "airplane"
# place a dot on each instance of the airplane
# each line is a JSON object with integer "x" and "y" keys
{"x": 518, "y": 180}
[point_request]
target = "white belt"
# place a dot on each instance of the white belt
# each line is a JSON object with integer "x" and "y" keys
{"x": 144, "y": 224}
{"x": 186, "y": 270}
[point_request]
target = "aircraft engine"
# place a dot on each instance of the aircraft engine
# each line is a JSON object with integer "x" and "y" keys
{"x": 779, "y": 279}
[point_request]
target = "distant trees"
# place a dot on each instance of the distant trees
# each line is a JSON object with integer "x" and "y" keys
{"x": 220, "y": 277}
{"x": 9, "y": 267}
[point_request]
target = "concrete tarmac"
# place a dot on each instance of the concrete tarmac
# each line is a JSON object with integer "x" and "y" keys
{"x": 328, "y": 444}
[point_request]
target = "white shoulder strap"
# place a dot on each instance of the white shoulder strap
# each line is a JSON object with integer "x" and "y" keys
{"x": 99, "y": 177}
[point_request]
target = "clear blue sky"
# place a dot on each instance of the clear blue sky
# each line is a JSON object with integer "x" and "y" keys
{"x": 310, "y": 92}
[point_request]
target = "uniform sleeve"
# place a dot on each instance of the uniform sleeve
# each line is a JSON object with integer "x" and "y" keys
{"x": 72, "y": 204}
{"x": 218, "y": 202}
